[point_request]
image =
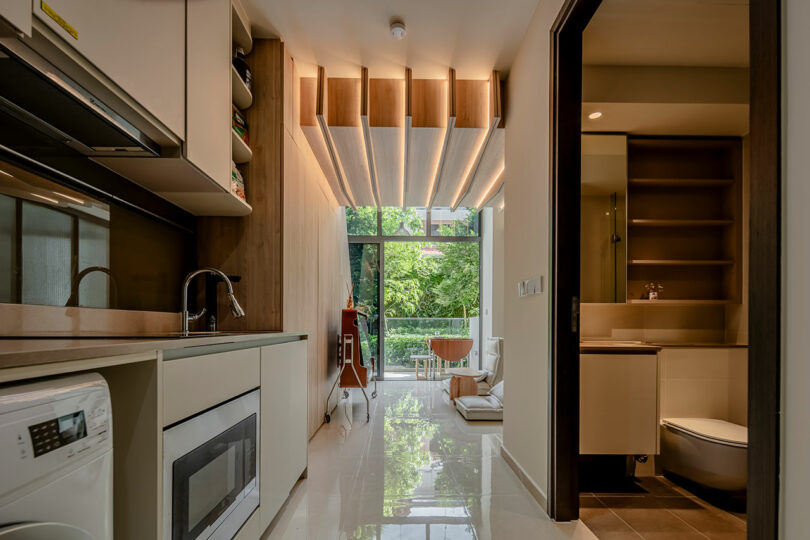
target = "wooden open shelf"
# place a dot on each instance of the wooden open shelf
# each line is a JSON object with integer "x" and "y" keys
{"x": 242, "y": 97}
{"x": 681, "y": 222}
{"x": 682, "y": 182}
{"x": 678, "y": 262}
{"x": 241, "y": 151}
{"x": 240, "y": 27}
{"x": 678, "y": 302}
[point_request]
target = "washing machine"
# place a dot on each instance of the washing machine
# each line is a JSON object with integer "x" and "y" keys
{"x": 56, "y": 452}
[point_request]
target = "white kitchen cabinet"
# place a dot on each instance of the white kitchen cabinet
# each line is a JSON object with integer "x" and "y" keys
{"x": 283, "y": 424}
{"x": 17, "y": 13}
{"x": 195, "y": 383}
{"x": 138, "y": 44}
{"x": 208, "y": 90}
{"x": 618, "y": 404}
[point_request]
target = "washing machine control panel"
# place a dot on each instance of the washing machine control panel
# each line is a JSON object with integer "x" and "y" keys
{"x": 52, "y": 434}
{"x": 47, "y": 437}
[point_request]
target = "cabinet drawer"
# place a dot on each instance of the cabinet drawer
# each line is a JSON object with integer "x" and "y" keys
{"x": 196, "y": 383}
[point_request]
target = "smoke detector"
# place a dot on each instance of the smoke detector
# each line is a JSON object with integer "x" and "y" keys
{"x": 397, "y": 28}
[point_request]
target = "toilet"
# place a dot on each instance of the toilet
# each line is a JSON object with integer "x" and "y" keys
{"x": 709, "y": 452}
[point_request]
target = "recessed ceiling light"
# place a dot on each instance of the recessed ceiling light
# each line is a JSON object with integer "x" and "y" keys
{"x": 397, "y": 28}
{"x": 595, "y": 115}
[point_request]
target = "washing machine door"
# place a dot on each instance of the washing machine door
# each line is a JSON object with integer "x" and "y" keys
{"x": 43, "y": 531}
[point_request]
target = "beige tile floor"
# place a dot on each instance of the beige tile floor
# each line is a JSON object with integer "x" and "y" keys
{"x": 417, "y": 470}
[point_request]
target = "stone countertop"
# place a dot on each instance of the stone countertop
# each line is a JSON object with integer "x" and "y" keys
{"x": 33, "y": 350}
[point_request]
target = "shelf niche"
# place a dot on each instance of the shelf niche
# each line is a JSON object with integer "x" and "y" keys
{"x": 684, "y": 219}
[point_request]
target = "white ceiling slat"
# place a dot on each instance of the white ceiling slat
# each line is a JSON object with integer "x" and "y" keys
{"x": 489, "y": 166}
{"x": 388, "y": 159}
{"x": 351, "y": 150}
{"x": 461, "y": 153}
{"x": 424, "y": 149}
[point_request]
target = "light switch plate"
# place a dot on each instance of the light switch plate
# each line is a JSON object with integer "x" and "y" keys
{"x": 530, "y": 286}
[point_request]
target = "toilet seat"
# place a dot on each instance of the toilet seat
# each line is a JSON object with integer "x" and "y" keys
{"x": 710, "y": 429}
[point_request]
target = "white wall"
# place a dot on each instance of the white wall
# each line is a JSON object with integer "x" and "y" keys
{"x": 796, "y": 271}
{"x": 497, "y": 271}
{"x": 526, "y": 233}
{"x": 487, "y": 277}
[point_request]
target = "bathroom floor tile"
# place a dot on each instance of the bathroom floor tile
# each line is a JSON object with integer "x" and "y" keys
{"x": 605, "y": 524}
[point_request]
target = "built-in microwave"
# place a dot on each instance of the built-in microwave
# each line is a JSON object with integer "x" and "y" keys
{"x": 211, "y": 471}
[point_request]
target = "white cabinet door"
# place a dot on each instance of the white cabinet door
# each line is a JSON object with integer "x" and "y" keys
{"x": 138, "y": 44}
{"x": 208, "y": 91}
{"x": 283, "y": 424}
{"x": 17, "y": 13}
{"x": 618, "y": 404}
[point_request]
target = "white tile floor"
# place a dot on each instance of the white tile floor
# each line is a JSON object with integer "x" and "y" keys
{"x": 417, "y": 470}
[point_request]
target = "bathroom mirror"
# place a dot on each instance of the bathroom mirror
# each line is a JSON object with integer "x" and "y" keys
{"x": 603, "y": 274}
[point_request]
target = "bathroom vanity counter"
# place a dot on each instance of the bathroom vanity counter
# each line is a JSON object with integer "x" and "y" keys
{"x": 25, "y": 351}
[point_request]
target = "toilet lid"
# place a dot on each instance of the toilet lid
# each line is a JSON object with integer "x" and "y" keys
{"x": 711, "y": 430}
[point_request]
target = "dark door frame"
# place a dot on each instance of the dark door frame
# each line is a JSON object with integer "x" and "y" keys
{"x": 764, "y": 373}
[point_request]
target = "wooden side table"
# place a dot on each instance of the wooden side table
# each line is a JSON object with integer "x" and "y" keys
{"x": 463, "y": 382}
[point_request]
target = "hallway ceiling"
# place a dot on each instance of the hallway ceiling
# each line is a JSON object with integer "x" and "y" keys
{"x": 668, "y": 33}
{"x": 473, "y": 36}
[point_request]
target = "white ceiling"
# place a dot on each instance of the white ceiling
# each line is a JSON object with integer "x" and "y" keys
{"x": 668, "y": 33}
{"x": 472, "y": 36}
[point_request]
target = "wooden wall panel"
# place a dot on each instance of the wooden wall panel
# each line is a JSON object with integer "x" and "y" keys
{"x": 316, "y": 268}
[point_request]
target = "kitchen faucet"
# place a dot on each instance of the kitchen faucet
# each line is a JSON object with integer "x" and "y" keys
{"x": 236, "y": 309}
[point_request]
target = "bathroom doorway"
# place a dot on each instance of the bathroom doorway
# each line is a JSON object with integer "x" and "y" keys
{"x": 713, "y": 282}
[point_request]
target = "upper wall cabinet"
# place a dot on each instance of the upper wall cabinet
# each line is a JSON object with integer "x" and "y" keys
{"x": 16, "y": 14}
{"x": 139, "y": 45}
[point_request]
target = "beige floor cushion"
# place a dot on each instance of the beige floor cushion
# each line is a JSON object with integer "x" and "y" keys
{"x": 489, "y": 407}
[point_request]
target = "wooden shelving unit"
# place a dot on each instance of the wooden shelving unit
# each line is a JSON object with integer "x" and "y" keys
{"x": 241, "y": 96}
{"x": 684, "y": 220}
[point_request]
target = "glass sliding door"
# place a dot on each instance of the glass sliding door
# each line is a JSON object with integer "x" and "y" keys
{"x": 364, "y": 264}
{"x": 416, "y": 274}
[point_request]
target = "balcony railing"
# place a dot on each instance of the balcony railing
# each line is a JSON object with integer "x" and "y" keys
{"x": 405, "y": 337}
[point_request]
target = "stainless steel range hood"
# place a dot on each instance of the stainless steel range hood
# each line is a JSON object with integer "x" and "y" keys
{"x": 37, "y": 93}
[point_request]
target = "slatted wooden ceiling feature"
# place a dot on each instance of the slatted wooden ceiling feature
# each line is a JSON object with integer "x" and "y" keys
{"x": 407, "y": 142}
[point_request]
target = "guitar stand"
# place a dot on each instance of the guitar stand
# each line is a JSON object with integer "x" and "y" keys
{"x": 346, "y": 358}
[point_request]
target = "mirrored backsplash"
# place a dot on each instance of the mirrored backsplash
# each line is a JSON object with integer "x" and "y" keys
{"x": 60, "y": 246}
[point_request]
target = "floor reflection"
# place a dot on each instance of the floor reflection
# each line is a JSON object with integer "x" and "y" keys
{"x": 416, "y": 470}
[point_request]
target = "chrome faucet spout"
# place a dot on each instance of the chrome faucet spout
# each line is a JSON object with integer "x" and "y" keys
{"x": 236, "y": 309}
